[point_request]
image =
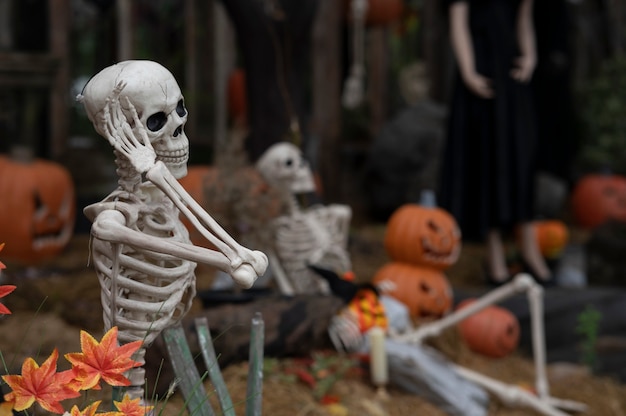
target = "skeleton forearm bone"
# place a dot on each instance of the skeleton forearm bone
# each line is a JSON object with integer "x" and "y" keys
{"x": 245, "y": 265}
{"x": 204, "y": 223}
{"x": 110, "y": 226}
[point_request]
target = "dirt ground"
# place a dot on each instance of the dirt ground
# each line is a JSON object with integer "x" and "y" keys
{"x": 54, "y": 301}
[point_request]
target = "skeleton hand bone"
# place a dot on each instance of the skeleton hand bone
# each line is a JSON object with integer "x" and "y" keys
{"x": 246, "y": 273}
{"x": 138, "y": 151}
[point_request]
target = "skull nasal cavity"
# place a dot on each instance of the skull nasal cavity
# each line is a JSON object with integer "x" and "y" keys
{"x": 178, "y": 131}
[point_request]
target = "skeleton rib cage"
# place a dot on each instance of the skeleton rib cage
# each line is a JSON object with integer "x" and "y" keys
{"x": 143, "y": 292}
{"x": 314, "y": 236}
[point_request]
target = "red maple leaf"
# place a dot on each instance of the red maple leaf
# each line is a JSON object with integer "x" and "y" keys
{"x": 40, "y": 384}
{"x": 5, "y": 290}
{"x": 104, "y": 360}
{"x": 132, "y": 407}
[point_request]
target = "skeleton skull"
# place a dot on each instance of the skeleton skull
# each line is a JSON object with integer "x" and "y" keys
{"x": 284, "y": 166}
{"x": 160, "y": 106}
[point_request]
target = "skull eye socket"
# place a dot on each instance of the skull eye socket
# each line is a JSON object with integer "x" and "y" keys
{"x": 156, "y": 121}
{"x": 180, "y": 109}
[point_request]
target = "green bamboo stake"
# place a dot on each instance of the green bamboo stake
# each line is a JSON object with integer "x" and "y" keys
{"x": 254, "y": 393}
{"x": 186, "y": 371}
{"x": 210, "y": 361}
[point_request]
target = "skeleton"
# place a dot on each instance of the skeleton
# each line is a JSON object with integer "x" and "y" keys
{"x": 141, "y": 250}
{"x": 317, "y": 235}
{"x": 347, "y": 337}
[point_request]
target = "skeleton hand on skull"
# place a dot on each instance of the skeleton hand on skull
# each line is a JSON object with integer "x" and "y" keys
{"x": 120, "y": 135}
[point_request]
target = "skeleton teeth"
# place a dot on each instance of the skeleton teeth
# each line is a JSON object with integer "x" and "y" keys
{"x": 173, "y": 157}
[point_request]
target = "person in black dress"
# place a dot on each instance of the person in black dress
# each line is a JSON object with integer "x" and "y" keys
{"x": 488, "y": 168}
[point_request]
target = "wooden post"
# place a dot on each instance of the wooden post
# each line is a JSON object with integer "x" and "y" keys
{"x": 377, "y": 86}
{"x": 436, "y": 50}
{"x": 124, "y": 13}
{"x": 6, "y": 24}
{"x": 224, "y": 41}
{"x": 59, "y": 49}
{"x": 326, "y": 120}
{"x": 191, "y": 64}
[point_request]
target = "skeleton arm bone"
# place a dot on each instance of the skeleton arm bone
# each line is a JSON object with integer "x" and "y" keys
{"x": 140, "y": 153}
{"x": 110, "y": 226}
{"x": 238, "y": 255}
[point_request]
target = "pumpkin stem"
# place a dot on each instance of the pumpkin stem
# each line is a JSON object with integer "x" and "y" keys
{"x": 428, "y": 199}
{"x": 22, "y": 154}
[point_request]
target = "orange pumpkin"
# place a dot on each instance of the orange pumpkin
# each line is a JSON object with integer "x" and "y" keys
{"x": 237, "y": 97}
{"x": 493, "y": 331}
{"x": 426, "y": 292}
{"x": 37, "y": 209}
{"x": 552, "y": 236}
{"x": 598, "y": 198}
{"x": 193, "y": 183}
{"x": 422, "y": 235}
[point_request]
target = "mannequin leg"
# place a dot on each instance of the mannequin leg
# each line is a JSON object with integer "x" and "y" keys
{"x": 496, "y": 261}
{"x": 531, "y": 254}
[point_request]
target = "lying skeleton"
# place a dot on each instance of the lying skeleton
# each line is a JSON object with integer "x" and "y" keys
{"x": 421, "y": 369}
{"x": 141, "y": 250}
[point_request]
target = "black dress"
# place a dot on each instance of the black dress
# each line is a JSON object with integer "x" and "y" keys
{"x": 487, "y": 167}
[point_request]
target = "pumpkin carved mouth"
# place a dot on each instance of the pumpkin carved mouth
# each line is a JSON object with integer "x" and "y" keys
{"x": 443, "y": 253}
{"x": 52, "y": 238}
{"x": 51, "y": 227}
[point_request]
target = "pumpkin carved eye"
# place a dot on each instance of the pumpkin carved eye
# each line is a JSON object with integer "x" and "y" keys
{"x": 40, "y": 208}
{"x": 424, "y": 291}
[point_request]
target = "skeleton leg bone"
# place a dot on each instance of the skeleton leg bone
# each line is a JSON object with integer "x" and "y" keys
{"x": 508, "y": 393}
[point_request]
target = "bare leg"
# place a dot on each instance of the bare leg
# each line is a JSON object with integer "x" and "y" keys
{"x": 531, "y": 254}
{"x": 496, "y": 262}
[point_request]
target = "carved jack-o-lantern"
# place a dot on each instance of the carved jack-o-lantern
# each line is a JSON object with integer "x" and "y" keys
{"x": 426, "y": 292}
{"x": 597, "y": 198}
{"x": 493, "y": 331}
{"x": 37, "y": 209}
{"x": 423, "y": 235}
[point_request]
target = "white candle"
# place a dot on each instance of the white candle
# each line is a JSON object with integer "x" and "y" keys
{"x": 378, "y": 357}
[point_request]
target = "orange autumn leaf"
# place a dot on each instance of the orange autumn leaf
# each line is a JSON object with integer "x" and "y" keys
{"x": 6, "y": 409}
{"x": 91, "y": 411}
{"x": 40, "y": 384}
{"x": 5, "y": 290}
{"x": 87, "y": 411}
{"x": 104, "y": 360}
{"x": 132, "y": 407}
